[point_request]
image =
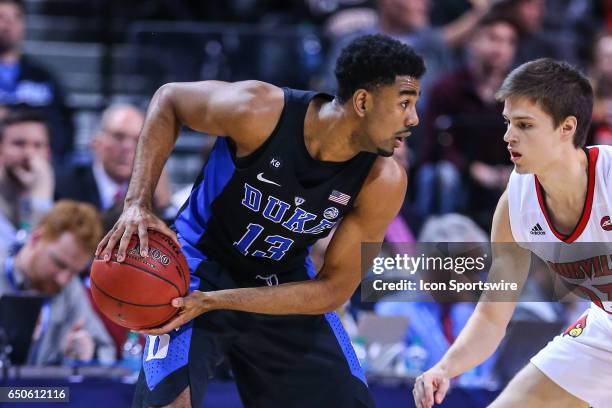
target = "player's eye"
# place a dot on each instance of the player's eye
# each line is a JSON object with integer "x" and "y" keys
{"x": 405, "y": 104}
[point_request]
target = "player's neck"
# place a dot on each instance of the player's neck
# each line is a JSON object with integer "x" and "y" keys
{"x": 565, "y": 181}
{"x": 328, "y": 132}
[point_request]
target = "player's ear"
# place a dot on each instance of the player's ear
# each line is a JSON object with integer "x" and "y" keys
{"x": 568, "y": 127}
{"x": 360, "y": 101}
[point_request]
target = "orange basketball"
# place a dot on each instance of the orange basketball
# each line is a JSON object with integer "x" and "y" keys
{"x": 137, "y": 292}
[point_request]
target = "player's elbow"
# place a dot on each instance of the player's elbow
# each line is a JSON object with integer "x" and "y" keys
{"x": 166, "y": 94}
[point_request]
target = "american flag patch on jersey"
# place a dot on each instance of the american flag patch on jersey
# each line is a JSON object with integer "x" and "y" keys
{"x": 338, "y": 197}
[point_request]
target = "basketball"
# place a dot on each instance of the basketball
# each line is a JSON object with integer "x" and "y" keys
{"x": 137, "y": 292}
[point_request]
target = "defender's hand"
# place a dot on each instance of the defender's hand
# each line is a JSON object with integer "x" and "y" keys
{"x": 191, "y": 307}
{"x": 135, "y": 219}
{"x": 430, "y": 386}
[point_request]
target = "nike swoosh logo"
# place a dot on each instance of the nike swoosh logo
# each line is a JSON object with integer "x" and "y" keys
{"x": 260, "y": 177}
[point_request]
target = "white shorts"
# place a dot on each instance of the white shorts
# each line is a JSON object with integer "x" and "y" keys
{"x": 580, "y": 359}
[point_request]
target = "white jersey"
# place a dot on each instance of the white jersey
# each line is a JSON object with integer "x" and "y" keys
{"x": 584, "y": 257}
{"x": 580, "y": 359}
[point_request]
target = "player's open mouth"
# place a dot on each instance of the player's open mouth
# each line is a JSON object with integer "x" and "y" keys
{"x": 514, "y": 156}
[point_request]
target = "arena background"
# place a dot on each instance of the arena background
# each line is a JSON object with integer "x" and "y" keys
{"x": 106, "y": 51}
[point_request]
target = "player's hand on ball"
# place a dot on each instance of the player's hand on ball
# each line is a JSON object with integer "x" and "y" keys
{"x": 191, "y": 307}
{"x": 135, "y": 219}
{"x": 430, "y": 386}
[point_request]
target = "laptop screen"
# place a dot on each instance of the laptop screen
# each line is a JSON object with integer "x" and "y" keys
{"x": 18, "y": 316}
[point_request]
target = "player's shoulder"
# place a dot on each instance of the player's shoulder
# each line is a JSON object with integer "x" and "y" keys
{"x": 256, "y": 97}
{"x": 251, "y": 111}
{"x": 604, "y": 160}
{"x": 604, "y": 153}
{"x": 387, "y": 171}
{"x": 386, "y": 180}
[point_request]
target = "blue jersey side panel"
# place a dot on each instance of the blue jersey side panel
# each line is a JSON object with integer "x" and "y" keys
{"x": 191, "y": 222}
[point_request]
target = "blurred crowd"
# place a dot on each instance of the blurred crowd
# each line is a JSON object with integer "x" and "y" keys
{"x": 56, "y": 169}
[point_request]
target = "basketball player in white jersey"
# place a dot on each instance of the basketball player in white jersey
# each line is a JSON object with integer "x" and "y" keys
{"x": 559, "y": 198}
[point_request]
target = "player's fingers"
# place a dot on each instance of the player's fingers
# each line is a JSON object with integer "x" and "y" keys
{"x": 113, "y": 237}
{"x": 441, "y": 392}
{"x": 178, "y": 321}
{"x": 123, "y": 244}
{"x": 178, "y": 302}
{"x": 428, "y": 391}
{"x": 143, "y": 238}
{"x": 416, "y": 397}
{"x": 102, "y": 243}
{"x": 418, "y": 393}
{"x": 422, "y": 391}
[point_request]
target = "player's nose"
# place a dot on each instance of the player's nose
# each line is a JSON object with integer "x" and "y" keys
{"x": 510, "y": 135}
{"x": 412, "y": 118}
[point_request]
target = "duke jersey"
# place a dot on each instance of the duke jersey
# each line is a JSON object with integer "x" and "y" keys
{"x": 584, "y": 257}
{"x": 261, "y": 213}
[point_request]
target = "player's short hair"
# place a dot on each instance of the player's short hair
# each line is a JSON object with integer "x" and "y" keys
{"x": 80, "y": 219}
{"x": 22, "y": 115}
{"x": 373, "y": 60}
{"x": 560, "y": 90}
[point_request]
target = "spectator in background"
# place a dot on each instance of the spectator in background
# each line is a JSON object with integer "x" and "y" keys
{"x": 600, "y": 74}
{"x": 104, "y": 182}
{"x": 463, "y": 126}
{"x": 601, "y": 126}
{"x": 535, "y": 40}
{"x": 435, "y": 323}
{"x": 601, "y": 66}
{"x": 23, "y": 82}
{"x": 60, "y": 246}
{"x": 26, "y": 175}
{"x": 408, "y": 21}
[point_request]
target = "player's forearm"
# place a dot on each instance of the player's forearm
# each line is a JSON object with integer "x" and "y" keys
{"x": 155, "y": 144}
{"x": 477, "y": 341}
{"x": 308, "y": 297}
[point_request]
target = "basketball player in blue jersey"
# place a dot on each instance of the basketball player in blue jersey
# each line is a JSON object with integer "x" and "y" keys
{"x": 287, "y": 168}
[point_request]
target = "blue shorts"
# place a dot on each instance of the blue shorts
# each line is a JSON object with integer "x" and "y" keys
{"x": 277, "y": 361}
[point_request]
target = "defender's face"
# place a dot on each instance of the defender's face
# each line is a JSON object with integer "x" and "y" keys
{"x": 392, "y": 114}
{"x": 533, "y": 142}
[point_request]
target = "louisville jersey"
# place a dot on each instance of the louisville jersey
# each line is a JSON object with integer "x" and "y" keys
{"x": 582, "y": 258}
{"x": 260, "y": 214}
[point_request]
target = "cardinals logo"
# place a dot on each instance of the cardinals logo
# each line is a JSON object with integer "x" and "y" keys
{"x": 577, "y": 328}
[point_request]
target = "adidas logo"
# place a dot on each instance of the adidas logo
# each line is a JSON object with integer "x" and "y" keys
{"x": 537, "y": 230}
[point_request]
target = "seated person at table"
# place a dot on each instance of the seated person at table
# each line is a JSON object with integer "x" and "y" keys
{"x": 48, "y": 263}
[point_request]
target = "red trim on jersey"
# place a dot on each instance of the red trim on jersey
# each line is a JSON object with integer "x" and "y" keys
{"x": 592, "y": 155}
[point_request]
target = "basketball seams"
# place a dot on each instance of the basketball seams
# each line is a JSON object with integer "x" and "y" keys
{"x": 140, "y": 268}
{"x": 125, "y": 301}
